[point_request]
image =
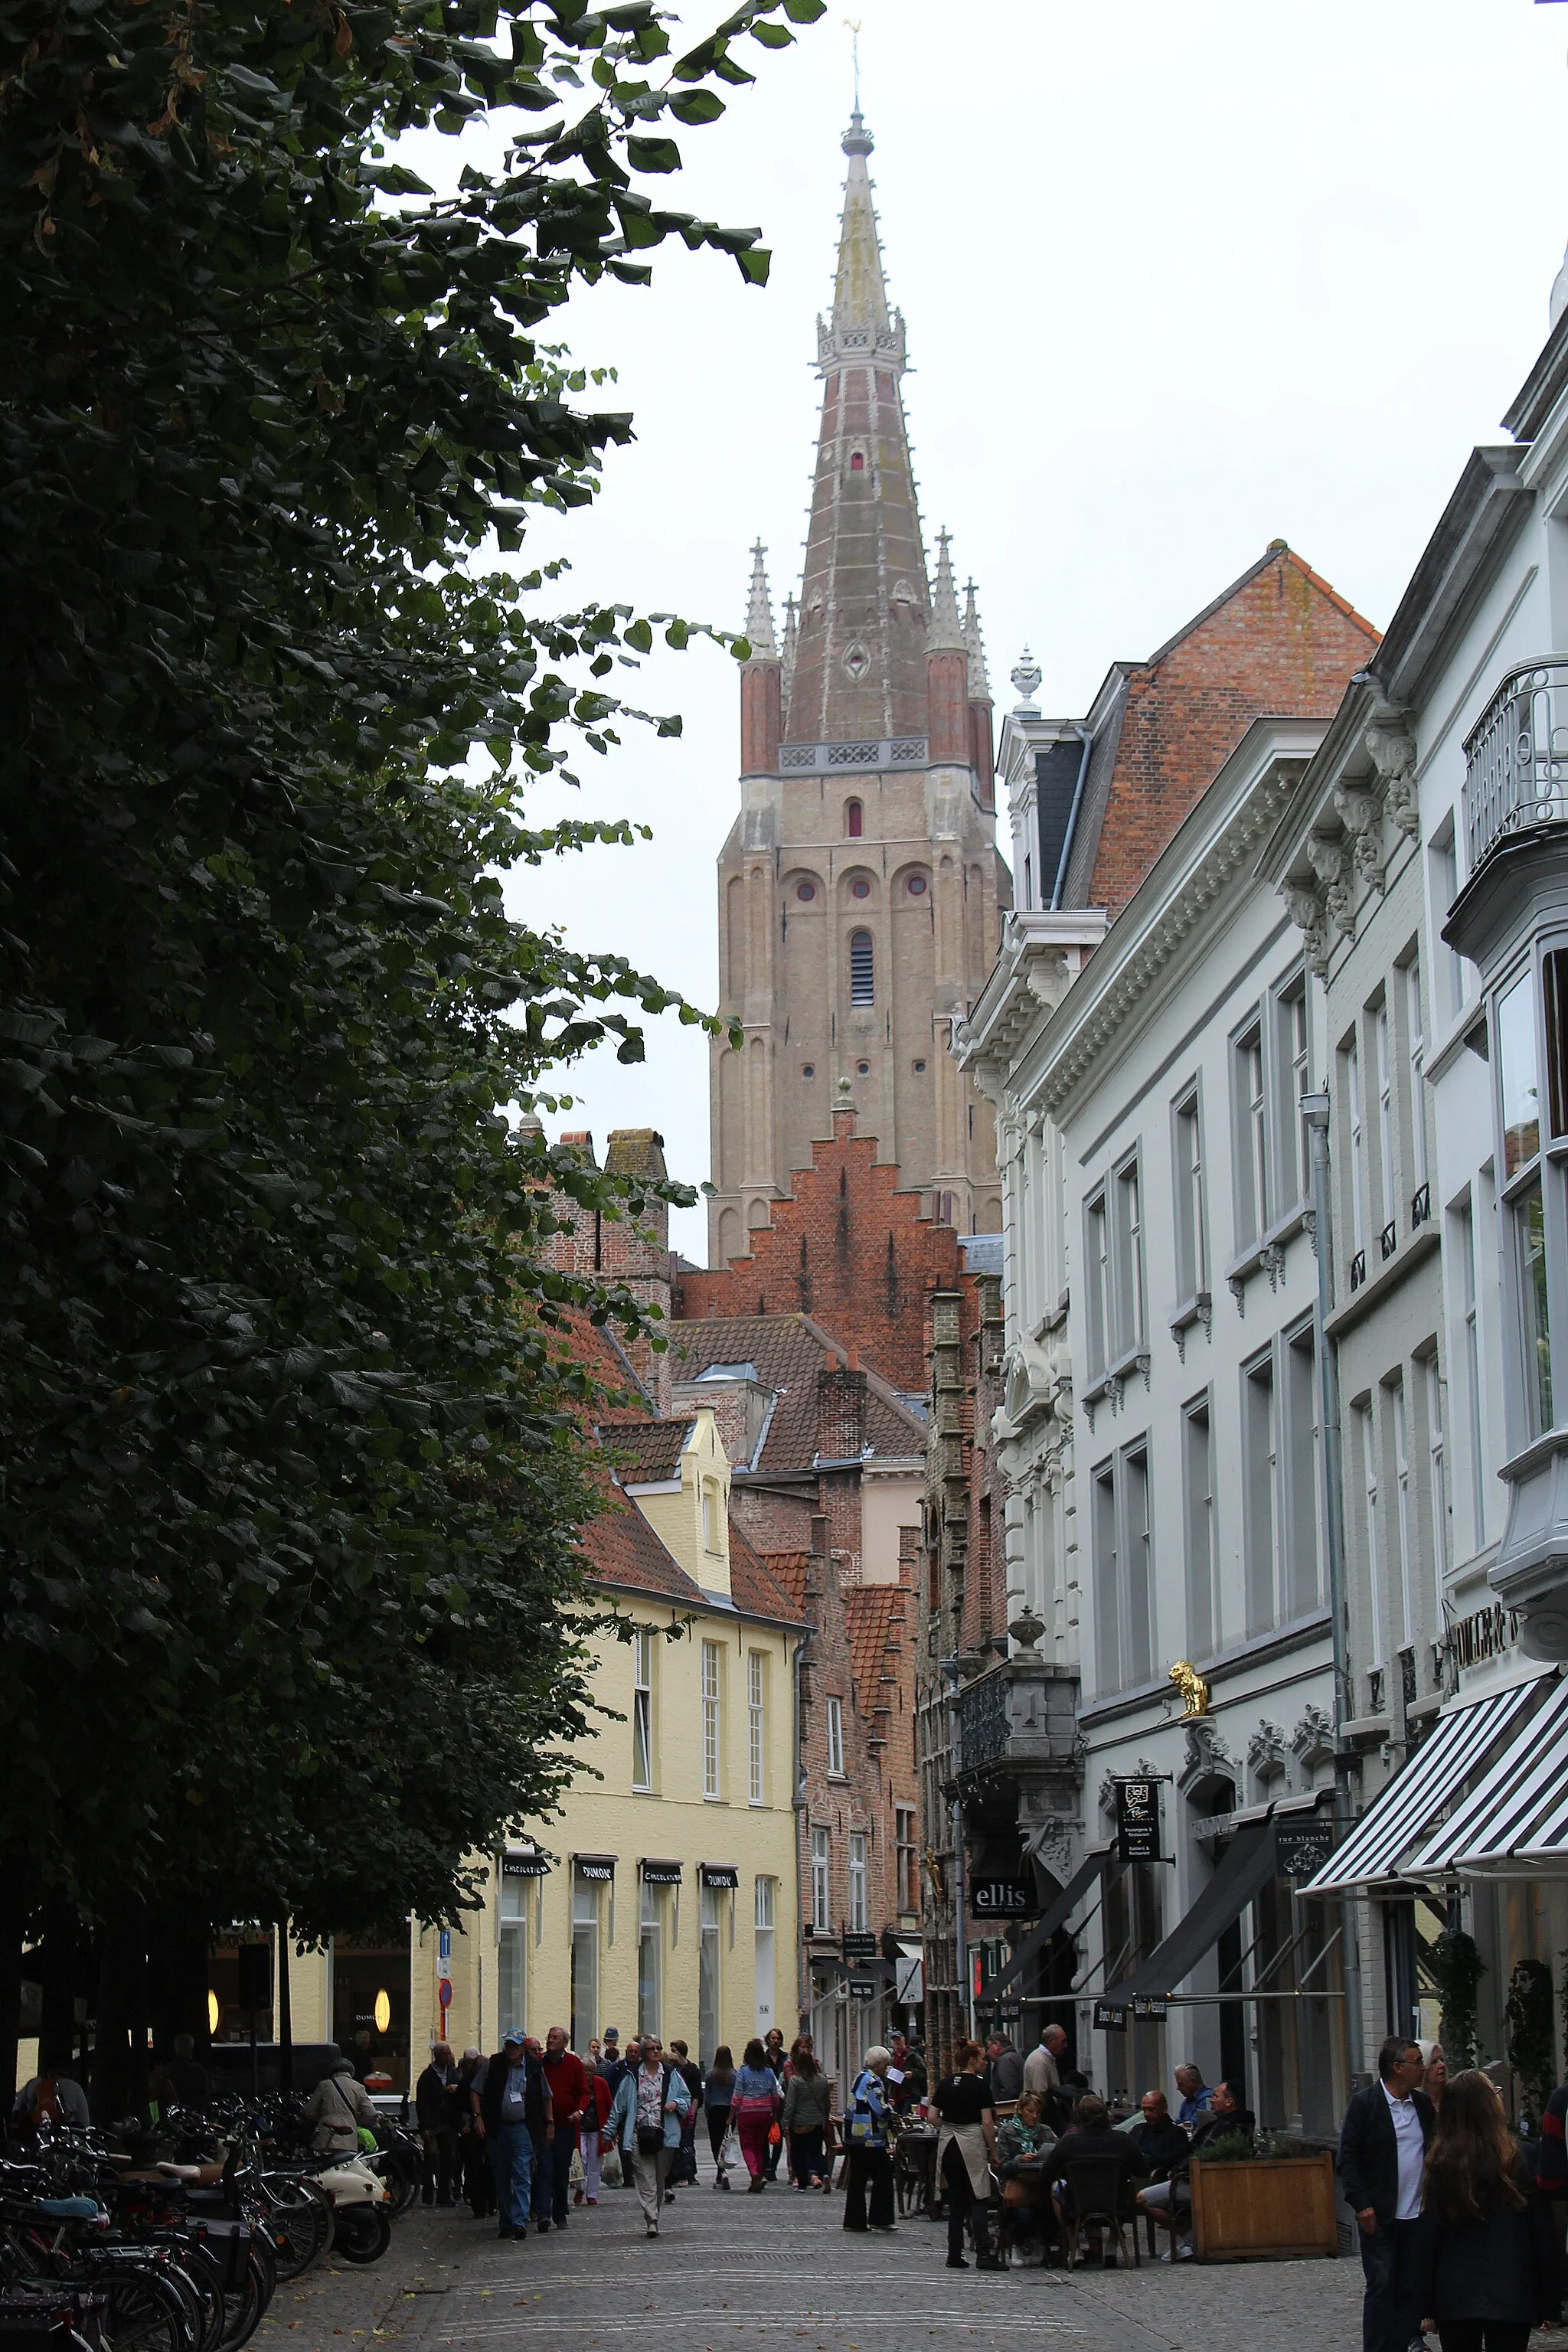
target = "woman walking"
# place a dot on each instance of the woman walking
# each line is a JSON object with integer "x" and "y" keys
{"x": 807, "y": 2107}
{"x": 718, "y": 2095}
{"x": 773, "y": 2056}
{"x": 1487, "y": 2268}
{"x": 866, "y": 2128}
{"x": 1435, "y": 2081}
{"x": 965, "y": 2151}
{"x": 685, "y": 2157}
{"x": 756, "y": 2102}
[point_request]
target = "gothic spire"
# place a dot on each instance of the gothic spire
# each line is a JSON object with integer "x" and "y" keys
{"x": 760, "y": 608}
{"x": 859, "y": 668}
{"x": 791, "y": 637}
{"x": 946, "y": 633}
{"x": 974, "y": 645}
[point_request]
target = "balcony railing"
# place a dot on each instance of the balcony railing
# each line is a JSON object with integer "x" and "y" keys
{"x": 1516, "y": 772}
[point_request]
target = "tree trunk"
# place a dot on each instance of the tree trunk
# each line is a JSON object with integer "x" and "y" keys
{"x": 57, "y": 2030}
{"x": 177, "y": 1998}
{"x": 13, "y": 1915}
{"x": 285, "y": 2012}
{"x": 119, "y": 2072}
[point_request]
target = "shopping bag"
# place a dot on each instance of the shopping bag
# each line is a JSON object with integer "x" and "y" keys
{"x": 610, "y": 2168}
{"x": 577, "y": 2174}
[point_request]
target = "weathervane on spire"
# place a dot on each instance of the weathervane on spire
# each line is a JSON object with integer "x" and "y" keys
{"x": 856, "y": 140}
{"x": 853, "y": 23}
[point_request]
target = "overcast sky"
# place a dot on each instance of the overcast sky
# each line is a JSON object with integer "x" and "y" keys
{"x": 1176, "y": 282}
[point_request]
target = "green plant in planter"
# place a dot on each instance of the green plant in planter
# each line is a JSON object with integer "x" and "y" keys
{"x": 1284, "y": 2143}
{"x": 1527, "y": 2023}
{"x": 1456, "y": 1970}
{"x": 1233, "y": 2147}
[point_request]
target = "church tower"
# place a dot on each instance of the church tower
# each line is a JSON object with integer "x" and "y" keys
{"x": 859, "y": 888}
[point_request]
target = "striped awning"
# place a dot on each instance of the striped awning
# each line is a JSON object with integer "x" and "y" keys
{"x": 1383, "y": 1842}
{"x": 1517, "y": 1812}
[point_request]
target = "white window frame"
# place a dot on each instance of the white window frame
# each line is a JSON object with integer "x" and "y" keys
{"x": 1249, "y": 1091}
{"x": 1127, "y": 1285}
{"x": 1400, "y": 1421}
{"x": 1198, "y": 1514}
{"x": 1417, "y": 1041}
{"x": 642, "y": 1709}
{"x": 712, "y": 1722}
{"x": 906, "y": 1836}
{"x": 1470, "y": 1304}
{"x": 859, "y": 1882}
{"x": 1191, "y": 1206}
{"x": 1355, "y": 1113}
{"x": 1437, "y": 1456}
{"x": 835, "y": 1738}
{"x": 822, "y": 1880}
{"x": 1365, "y": 1417}
{"x": 1386, "y": 1163}
{"x": 1097, "y": 1273}
{"x": 756, "y": 1725}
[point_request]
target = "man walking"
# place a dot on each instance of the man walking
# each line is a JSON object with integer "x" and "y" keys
{"x": 1005, "y": 2067}
{"x": 568, "y": 2081}
{"x": 1383, "y": 2152}
{"x": 433, "y": 2112}
{"x": 646, "y": 2119}
{"x": 513, "y": 2108}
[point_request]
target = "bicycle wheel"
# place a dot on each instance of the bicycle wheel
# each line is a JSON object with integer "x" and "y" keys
{"x": 243, "y": 2310}
{"x": 146, "y": 2311}
{"x": 298, "y": 2221}
{"x": 363, "y": 2235}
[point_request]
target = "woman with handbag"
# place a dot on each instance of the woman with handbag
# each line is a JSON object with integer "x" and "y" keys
{"x": 871, "y": 2166}
{"x": 755, "y": 2106}
{"x": 807, "y": 2110}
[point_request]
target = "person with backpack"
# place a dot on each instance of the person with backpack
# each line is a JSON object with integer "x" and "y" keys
{"x": 339, "y": 2109}
{"x": 1485, "y": 2250}
{"x": 756, "y": 2104}
{"x": 53, "y": 2096}
{"x": 871, "y": 2166}
{"x": 646, "y": 2120}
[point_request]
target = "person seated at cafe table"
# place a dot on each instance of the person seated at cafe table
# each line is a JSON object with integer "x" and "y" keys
{"x": 1170, "y": 2201}
{"x": 1092, "y": 2134}
{"x": 1159, "y": 2134}
{"x": 1024, "y": 2136}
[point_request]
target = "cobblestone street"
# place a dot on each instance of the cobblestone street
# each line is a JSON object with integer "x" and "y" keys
{"x": 778, "y": 2270}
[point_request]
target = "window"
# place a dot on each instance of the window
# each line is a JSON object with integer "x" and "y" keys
{"x": 1028, "y": 880}
{"x": 585, "y": 1961}
{"x": 1384, "y": 1114}
{"x": 1402, "y": 1511}
{"x": 1467, "y": 1255}
{"x": 854, "y": 819}
{"x": 1251, "y": 1136}
{"x": 709, "y": 1981}
{"x": 856, "y": 461}
{"x": 835, "y": 1738}
{"x": 713, "y": 1517}
{"x": 711, "y": 1668}
{"x": 1519, "y": 1074}
{"x": 1444, "y": 890}
{"x": 1293, "y": 1146}
{"x": 860, "y": 888}
{"x": 917, "y": 886}
{"x": 650, "y": 1954}
{"x": 1439, "y": 1477}
{"x": 1260, "y": 1500}
{"x": 1197, "y": 1498}
{"x": 1127, "y": 1264}
{"x": 905, "y": 1834}
{"x": 821, "y": 1881}
{"x": 1355, "y": 1114}
{"x": 1192, "y": 1249}
{"x": 1365, "y": 1437}
{"x": 1303, "y": 1584}
{"x": 806, "y": 892}
{"x": 1097, "y": 1269}
{"x": 1123, "y": 1570}
{"x": 756, "y": 1725}
{"x": 1107, "y": 1578}
{"x": 858, "y": 1912}
{"x": 862, "y": 968}
{"x": 511, "y": 1957}
{"x": 642, "y": 1707}
{"x": 763, "y": 1969}
{"x": 1416, "y": 1036}
{"x": 1140, "y": 1618}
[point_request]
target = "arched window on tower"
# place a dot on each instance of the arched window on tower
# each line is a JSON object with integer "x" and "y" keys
{"x": 862, "y": 968}
{"x": 854, "y": 819}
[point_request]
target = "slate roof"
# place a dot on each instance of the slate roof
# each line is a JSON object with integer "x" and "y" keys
{"x": 643, "y": 1452}
{"x": 789, "y": 1351}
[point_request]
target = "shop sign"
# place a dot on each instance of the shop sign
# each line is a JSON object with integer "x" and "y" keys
{"x": 524, "y": 1865}
{"x": 1003, "y": 1898}
{"x": 1303, "y": 1847}
{"x": 661, "y": 1873}
{"x": 598, "y": 1867}
{"x": 1110, "y": 2017}
{"x": 863, "y": 1988}
{"x": 722, "y": 1876}
{"x": 1149, "y": 2007}
{"x": 858, "y": 1946}
{"x": 1138, "y": 1820}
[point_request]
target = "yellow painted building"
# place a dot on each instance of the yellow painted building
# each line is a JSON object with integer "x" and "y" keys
{"x": 663, "y": 1897}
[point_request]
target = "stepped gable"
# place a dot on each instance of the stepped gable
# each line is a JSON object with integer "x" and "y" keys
{"x": 880, "y": 1622}
{"x": 847, "y": 1247}
{"x": 1279, "y": 643}
{"x": 790, "y": 1355}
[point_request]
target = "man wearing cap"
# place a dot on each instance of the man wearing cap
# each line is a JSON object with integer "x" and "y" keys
{"x": 512, "y": 2114}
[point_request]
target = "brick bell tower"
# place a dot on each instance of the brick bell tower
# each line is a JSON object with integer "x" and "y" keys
{"x": 859, "y": 889}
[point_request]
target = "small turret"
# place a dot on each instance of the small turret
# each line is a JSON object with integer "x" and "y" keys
{"x": 982, "y": 742}
{"x": 947, "y": 669}
{"x": 761, "y": 681}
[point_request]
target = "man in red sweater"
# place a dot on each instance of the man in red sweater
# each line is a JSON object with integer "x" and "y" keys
{"x": 568, "y": 2080}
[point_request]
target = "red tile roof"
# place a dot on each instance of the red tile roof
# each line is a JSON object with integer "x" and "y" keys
{"x": 757, "y": 1587}
{"x": 643, "y": 1452}
{"x": 621, "y": 1549}
{"x": 789, "y": 1352}
{"x": 874, "y": 1615}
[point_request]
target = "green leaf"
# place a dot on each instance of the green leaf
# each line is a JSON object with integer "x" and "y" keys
{"x": 697, "y": 106}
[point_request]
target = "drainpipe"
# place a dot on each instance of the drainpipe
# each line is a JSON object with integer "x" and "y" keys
{"x": 1086, "y": 740}
{"x": 1315, "y": 1110}
{"x": 802, "y": 1967}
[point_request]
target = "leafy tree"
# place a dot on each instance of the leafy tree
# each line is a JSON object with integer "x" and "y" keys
{"x": 285, "y": 1444}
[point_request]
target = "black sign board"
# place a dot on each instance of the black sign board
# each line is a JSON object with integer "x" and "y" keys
{"x": 1148, "y": 2005}
{"x": 524, "y": 1865}
{"x": 721, "y": 1875}
{"x": 863, "y": 1988}
{"x": 660, "y": 1874}
{"x": 859, "y": 1946}
{"x": 599, "y": 1867}
{"x": 1303, "y": 1847}
{"x": 1003, "y": 1898}
{"x": 1110, "y": 2017}
{"x": 1138, "y": 1820}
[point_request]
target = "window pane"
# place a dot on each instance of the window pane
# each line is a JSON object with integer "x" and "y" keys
{"x": 1521, "y": 1082}
{"x": 1535, "y": 1340}
{"x": 1554, "y": 979}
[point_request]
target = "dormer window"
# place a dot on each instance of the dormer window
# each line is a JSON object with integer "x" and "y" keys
{"x": 854, "y": 819}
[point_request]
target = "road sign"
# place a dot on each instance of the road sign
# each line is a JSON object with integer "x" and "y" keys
{"x": 446, "y": 1944}
{"x": 909, "y": 1978}
{"x": 1003, "y": 1898}
{"x": 445, "y": 1990}
{"x": 1150, "y": 2005}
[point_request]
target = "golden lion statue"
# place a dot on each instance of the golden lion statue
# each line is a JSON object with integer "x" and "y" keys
{"x": 1194, "y": 1689}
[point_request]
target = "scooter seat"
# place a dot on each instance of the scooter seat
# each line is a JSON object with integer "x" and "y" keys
{"x": 69, "y": 2209}
{"x": 181, "y": 2171}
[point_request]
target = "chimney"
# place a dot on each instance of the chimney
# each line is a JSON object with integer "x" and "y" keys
{"x": 840, "y": 1413}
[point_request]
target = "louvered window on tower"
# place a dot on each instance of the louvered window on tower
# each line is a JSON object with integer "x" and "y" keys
{"x": 862, "y": 970}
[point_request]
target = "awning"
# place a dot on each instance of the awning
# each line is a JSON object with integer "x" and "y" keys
{"x": 1248, "y": 1867}
{"x": 1004, "y": 1987}
{"x": 1388, "y": 1835}
{"x": 1517, "y": 1812}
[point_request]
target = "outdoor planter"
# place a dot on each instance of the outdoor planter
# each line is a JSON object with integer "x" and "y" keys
{"x": 1266, "y": 2209}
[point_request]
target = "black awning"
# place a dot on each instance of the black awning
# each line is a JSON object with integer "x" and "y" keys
{"x": 1006, "y": 1986}
{"x": 1247, "y": 1868}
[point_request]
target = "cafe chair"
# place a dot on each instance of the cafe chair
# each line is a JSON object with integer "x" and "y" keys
{"x": 1095, "y": 2196}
